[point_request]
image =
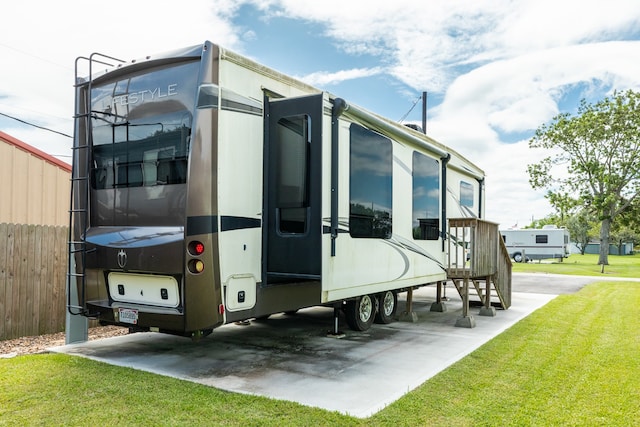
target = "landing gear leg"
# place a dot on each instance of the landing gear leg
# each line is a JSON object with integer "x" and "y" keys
{"x": 409, "y": 315}
{"x": 336, "y": 333}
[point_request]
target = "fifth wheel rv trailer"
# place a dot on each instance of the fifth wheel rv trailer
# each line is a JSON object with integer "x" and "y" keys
{"x": 544, "y": 243}
{"x": 208, "y": 189}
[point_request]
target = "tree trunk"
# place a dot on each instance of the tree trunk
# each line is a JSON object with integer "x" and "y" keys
{"x": 605, "y": 227}
{"x": 583, "y": 246}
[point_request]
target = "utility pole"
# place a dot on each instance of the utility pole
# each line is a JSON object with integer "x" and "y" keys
{"x": 424, "y": 112}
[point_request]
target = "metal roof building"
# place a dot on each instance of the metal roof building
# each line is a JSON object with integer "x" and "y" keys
{"x": 34, "y": 186}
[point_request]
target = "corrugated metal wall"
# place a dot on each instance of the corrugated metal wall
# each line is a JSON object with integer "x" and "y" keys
{"x": 33, "y": 190}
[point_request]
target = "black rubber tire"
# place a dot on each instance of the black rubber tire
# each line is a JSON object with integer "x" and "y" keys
{"x": 360, "y": 312}
{"x": 517, "y": 257}
{"x": 387, "y": 306}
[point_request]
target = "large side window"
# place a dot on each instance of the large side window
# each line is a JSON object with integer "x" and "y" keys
{"x": 370, "y": 184}
{"x": 466, "y": 194}
{"x": 426, "y": 197}
{"x": 291, "y": 157}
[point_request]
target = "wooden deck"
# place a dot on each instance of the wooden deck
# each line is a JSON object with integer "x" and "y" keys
{"x": 478, "y": 264}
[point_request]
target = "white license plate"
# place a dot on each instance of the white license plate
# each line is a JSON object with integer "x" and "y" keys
{"x": 128, "y": 315}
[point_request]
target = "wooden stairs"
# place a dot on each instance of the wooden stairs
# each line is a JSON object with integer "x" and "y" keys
{"x": 479, "y": 266}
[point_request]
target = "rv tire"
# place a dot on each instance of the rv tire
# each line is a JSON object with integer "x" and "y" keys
{"x": 360, "y": 312}
{"x": 387, "y": 305}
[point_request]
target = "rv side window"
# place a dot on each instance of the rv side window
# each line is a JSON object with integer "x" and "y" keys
{"x": 466, "y": 194}
{"x": 426, "y": 197}
{"x": 542, "y": 238}
{"x": 291, "y": 157}
{"x": 370, "y": 169}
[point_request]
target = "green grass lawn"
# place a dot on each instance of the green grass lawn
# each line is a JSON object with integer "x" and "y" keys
{"x": 585, "y": 265}
{"x": 576, "y": 361}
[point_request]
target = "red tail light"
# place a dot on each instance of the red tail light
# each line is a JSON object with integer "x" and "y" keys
{"x": 196, "y": 248}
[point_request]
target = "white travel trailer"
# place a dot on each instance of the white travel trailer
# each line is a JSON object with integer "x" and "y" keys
{"x": 544, "y": 243}
{"x": 209, "y": 189}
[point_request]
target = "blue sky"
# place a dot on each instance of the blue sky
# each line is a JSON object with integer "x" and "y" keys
{"x": 494, "y": 70}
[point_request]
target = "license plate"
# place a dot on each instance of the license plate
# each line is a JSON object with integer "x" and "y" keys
{"x": 128, "y": 315}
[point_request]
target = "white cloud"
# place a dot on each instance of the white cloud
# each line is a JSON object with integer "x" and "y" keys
{"x": 501, "y": 67}
{"x": 324, "y": 78}
{"x": 40, "y": 40}
{"x": 519, "y": 94}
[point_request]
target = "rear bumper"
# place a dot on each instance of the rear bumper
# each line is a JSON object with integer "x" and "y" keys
{"x": 170, "y": 320}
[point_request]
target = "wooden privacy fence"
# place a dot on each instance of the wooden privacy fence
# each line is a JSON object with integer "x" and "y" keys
{"x": 33, "y": 266}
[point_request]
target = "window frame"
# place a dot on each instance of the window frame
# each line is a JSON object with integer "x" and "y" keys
{"x": 427, "y": 228}
{"x": 365, "y": 148}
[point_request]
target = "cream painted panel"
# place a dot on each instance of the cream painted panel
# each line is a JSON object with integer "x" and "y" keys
{"x": 35, "y": 191}
{"x": 6, "y": 180}
{"x": 19, "y": 183}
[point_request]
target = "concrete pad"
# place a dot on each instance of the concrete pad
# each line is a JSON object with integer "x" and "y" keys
{"x": 290, "y": 357}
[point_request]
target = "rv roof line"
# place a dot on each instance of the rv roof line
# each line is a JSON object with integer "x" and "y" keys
{"x": 392, "y": 128}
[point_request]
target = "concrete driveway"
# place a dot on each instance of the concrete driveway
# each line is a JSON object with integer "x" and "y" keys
{"x": 290, "y": 357}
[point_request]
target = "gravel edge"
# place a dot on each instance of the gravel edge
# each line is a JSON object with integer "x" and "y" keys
{"x": 40, "y": 343}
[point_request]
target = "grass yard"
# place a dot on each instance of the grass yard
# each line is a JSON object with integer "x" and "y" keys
{"x": 585, "y": 265}
{"x": 575, "y": 361}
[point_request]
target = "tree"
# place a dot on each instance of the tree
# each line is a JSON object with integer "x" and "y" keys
{"x": 631, "y": 217}
{"x": 547, "y": 220}
{"x": 563, "y": 203}
{"x": 627, "y": 227}
{"x": 621, "y": 235}
{"x": 595, "y": 156}
{"x": 580, "y": 226}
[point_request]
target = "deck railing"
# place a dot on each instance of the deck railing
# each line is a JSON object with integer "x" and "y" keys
{"x": 502, "y": 278}
{"x": 476, "y": 251}
{"x": 473, "y": 248}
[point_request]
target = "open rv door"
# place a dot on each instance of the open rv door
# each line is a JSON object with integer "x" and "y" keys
{"x": 292, "y": 193}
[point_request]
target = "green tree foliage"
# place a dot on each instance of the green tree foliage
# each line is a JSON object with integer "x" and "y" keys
{"x": 593, "y": 156}
{"x": 631, "y": 217}
{"x": 564, "y": 205}
{"x": 581, "y": 229}
{"x": 621, "y": 234}
{"x": 547, "y": 220}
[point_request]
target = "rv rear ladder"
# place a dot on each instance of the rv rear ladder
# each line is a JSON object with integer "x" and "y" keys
{"x": 81, "y": 187}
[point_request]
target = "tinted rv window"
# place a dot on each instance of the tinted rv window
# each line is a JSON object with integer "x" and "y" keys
{"x": 542, "y": 238}
{"x": 141, "y": 125}
{"x": 370, "y": 168}
{"x": 466, "y": 194}
{"x": 426, "y": 197}
{"x": 291, "y": 158}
